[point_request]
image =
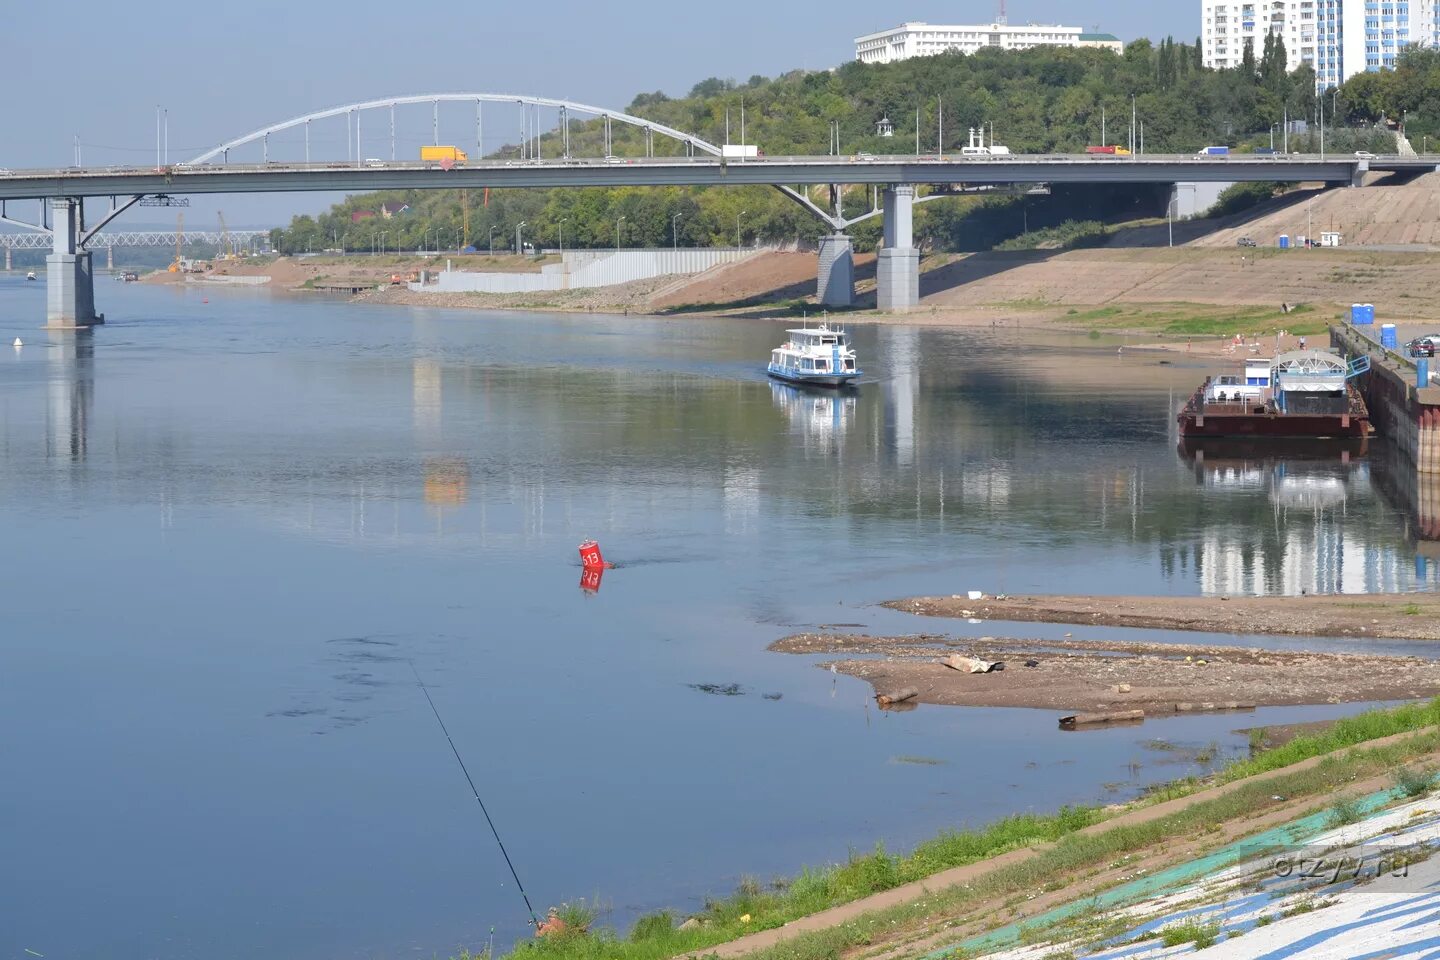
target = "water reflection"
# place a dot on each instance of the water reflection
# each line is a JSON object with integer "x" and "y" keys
{"x": 1309, "y": 543}
{"x": 820, "y": 417}
{"x": 901, "y": 349}
{"x": 71, "y": 394}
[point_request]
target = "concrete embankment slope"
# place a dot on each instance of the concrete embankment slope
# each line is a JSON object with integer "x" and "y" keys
{"x": 1399, "y": 284}
{"x": 1406, "y": 214}
{"x": 969, "y": 908}
{"x": 1306, "y": 889}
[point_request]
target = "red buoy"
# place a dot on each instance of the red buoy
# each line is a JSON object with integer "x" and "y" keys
{"x": 590, "y": 555}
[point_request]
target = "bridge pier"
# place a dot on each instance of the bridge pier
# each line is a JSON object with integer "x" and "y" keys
{"x": 70, "y": 278}
{"x": 897, "y": 269}
{"x": 835, "y": 280}
{"x": 109, "y": 256}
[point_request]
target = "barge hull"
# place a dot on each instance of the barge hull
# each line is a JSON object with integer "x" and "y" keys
{"x": 1274, "y": 425}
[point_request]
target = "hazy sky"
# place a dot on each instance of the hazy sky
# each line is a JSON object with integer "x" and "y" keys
{"x": 223, "y": 69}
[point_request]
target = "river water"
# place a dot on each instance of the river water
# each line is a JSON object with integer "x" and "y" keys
{"x": 230, "y": 526}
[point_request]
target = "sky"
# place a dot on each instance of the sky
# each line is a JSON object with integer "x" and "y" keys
{"x": 223, "y": 69}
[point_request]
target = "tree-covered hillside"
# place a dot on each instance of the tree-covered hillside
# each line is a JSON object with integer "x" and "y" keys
{"x": 1037, "y": 101}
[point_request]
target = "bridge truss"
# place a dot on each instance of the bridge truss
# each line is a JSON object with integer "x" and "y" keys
{"x": 38, "y": 240}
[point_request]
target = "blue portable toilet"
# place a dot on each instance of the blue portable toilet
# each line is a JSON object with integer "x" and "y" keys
{"x": 1369, "y": 309}
{"x": 1284, "y": 241}
{"x": 1422, "y": 372}
{"x": 1357, "y": 313}
{"x": 1387, "y": 336}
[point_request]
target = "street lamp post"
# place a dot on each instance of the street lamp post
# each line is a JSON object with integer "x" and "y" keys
{"x": 617, "y": 233}
{"x": 561, "y": 227}
{"x": 737, "y": 227}
{"x": 675, "y": 231}
{"x": 519, "y": 248}
{"x": 1133, "y": 127}
{"x": 492, "y": 239}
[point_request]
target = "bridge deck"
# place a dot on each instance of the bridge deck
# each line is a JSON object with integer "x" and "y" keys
{"x": 690, "y": 171}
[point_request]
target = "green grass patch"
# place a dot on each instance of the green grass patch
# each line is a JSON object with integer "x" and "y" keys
{"x": 1202, "y": 320}
{"x": 1414, "y": 781}
{"x": 1201, "y": 934}
{"x": 1344, "y": 811}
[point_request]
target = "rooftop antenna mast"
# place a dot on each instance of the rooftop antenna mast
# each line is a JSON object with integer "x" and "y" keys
{"x": 1001, "y": 18}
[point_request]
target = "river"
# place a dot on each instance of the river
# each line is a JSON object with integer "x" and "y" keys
{"x": 232, "y": 520}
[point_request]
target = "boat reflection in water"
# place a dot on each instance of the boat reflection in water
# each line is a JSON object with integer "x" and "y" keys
{"x": 1295, "y": 474}
{"x": 819, "y": 417}
{"x": 1284, "y": 478}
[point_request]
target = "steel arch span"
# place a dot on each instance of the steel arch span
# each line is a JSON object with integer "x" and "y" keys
{"x": 566, "y": 108}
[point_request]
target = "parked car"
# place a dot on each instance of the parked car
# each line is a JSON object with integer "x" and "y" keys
{"x": 1365, "y": 155}
{"x": 1245, "y": 242}
{"x": 1422, "y": 346}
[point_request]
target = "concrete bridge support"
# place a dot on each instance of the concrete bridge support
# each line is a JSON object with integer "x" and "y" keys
{"x": 897, "y": 268}
{"x": 835, "y": 282}
{"x": 70, "y": 279}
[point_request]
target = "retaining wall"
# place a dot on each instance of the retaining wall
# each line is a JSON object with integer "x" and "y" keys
{"x": 1403, "y": 412}
{"x": 581, "y": 269}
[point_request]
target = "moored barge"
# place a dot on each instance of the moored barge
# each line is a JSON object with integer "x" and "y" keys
{"x": 1301, "y": 394}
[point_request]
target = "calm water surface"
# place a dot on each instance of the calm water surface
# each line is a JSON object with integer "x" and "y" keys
{"x": 227, "y": 527}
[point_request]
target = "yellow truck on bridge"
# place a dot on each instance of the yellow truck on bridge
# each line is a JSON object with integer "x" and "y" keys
{"x": 453, "y": 154}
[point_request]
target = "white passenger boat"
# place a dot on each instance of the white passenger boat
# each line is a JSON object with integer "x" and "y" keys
{"x": 816, "y": 355}
{"x": 30, "y": 275}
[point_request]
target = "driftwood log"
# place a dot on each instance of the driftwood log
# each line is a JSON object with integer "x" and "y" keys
{"x": 1092, "y": 719}
{"x": 899, "y": 696}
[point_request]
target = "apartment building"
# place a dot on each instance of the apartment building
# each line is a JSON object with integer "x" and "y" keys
{"x": 1339, "y": 38}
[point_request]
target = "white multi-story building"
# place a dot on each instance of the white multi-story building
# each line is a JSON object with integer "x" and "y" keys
{"x": 928, "y": 39}
{"x": 1339, "y": 38}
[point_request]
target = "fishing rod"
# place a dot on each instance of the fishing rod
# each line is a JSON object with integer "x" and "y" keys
{"x": 470, "y": 780}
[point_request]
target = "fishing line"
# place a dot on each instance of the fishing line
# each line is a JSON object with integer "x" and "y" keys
{"x": 468, "y": 779}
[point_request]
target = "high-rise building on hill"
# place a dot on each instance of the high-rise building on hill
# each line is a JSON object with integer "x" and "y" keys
{"x": 1339, "y": 38}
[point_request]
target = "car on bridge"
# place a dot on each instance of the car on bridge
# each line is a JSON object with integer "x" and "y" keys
{"x": 1365, "y": 155}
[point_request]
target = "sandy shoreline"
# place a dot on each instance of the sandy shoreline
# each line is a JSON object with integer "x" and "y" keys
{"x": 1411, "y": 616}
{"x": 1099, "y": 676}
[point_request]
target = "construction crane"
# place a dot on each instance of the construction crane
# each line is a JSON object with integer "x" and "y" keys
{"x": 226, "y": 249}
